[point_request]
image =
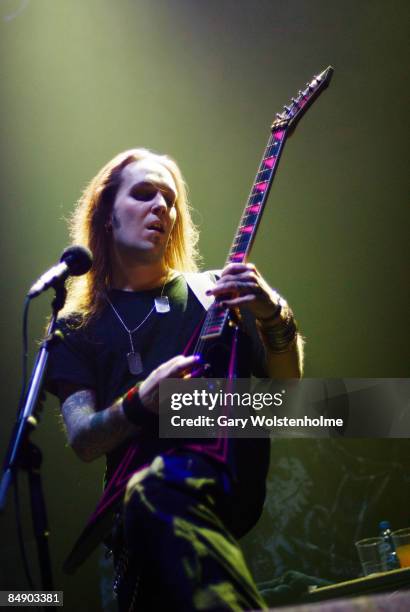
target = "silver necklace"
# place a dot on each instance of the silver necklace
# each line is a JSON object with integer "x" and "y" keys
{"x": 161, "y": 306}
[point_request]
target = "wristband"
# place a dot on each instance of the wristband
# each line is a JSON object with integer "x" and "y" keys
{"x": 134, "y": 409}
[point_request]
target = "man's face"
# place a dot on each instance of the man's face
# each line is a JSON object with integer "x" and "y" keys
{"x": 144, "y": 210}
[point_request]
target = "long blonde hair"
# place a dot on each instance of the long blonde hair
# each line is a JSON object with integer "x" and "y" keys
{"x": 88, "y": 227}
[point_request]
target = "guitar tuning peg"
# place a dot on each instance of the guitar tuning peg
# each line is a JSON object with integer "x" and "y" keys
{"x": 279, "y": 116}
{"x": 296, "y": 102}
{"x": 287, "y": 109}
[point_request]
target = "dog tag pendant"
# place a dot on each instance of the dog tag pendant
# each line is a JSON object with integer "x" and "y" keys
{"x": 134, "y": 363}
{"x": 162, "y": 304}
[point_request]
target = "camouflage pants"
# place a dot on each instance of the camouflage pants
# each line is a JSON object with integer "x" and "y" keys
{"x": 178, "y": 554}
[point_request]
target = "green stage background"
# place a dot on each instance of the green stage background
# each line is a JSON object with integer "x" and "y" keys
{"x": 84, "y": 79}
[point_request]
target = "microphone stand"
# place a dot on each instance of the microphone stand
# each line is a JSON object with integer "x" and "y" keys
{"x": 24, "y": 454}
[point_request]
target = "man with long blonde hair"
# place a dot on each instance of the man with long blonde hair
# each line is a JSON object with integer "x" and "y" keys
{"x": 124, "y": 328}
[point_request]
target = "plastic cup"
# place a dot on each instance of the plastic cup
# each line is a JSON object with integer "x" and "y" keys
{"x": 373, "y": 555}
{"x": 401, "y": 540}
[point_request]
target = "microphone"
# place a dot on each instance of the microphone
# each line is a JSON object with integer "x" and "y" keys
{"x": 75, "y": 261}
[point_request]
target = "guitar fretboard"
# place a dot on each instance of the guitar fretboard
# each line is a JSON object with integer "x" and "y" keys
{"x": 251, "y": 216}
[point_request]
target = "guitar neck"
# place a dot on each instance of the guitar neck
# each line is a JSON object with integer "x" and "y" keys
{"x": 245, "y": 234}
{"x": 284, "y": 123}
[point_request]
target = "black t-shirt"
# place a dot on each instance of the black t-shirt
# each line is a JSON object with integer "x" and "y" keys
{"x": 94, "y": 356}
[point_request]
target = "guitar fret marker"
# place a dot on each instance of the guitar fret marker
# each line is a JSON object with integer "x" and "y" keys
{"x": 279, "y": 134}
{"x": 269, "y": 161}
{"x": 254, "y": 208}
{"x": 247, "y": 229}
{"x": 261, "y": 186}
{"x": 237, "y": 255}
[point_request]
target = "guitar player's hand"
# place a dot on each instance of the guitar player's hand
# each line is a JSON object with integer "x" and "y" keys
{"x": 242, "y": 286}
{"x": 176, "y": 367}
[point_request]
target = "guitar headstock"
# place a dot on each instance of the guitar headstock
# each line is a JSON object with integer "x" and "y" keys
{"x": 297, "y": 107}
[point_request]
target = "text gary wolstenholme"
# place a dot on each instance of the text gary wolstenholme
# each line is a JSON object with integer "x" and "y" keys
{"x": 253, "y": 421}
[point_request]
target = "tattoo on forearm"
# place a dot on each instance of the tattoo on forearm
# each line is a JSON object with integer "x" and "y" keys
{"x": 93, "y": 433}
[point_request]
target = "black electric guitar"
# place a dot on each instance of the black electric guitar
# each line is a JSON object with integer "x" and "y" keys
{"x": 216, "y": 321}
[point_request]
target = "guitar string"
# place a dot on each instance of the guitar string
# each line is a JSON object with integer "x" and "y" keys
{"x": 272, "y": 142}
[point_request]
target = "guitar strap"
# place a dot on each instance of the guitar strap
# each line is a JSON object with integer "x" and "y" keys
{"x": 200, "y": 282}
